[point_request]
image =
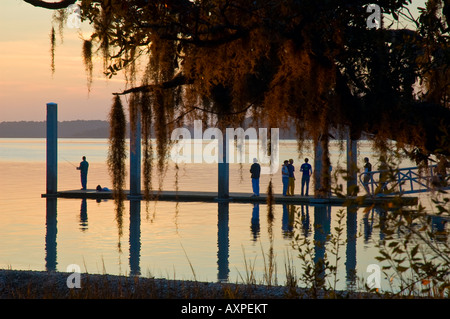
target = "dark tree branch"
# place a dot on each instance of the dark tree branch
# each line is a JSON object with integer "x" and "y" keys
{"x": 51, "y": 5}
{"x": 210, "y": 111}
{"x": 176, "y": 81}
{"x": 211, "y": 43}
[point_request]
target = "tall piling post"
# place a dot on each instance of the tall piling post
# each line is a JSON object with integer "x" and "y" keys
{"x": 135, "y": 158}
{"x": 223, "y": 169}
{"x": 352, "y": 166}
{"x": 318, "y": 151}
{"x": 350, "y": 253}
{"x": 223, "y": 242}
{"x": 135, "y": 237}
{"x": 52, "y": 149}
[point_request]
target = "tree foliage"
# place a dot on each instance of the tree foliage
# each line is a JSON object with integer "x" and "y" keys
{"x": 314, "y": 63}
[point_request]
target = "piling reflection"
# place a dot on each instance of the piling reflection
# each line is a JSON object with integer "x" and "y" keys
{"x": 369, "y": 220}
{"x": 223, "y": 242}
{"x": 321, "y": 231}
{"x": 135, "y": 237}
{"x": 438, "y": 230}
{"x": 350, "y": 253}
{"x": 322, "y": 226}
{"x": 368, "y": 225}
{"x": 382, "y": 223}
{"x": 50, "y": 236}
{"x": 83, "y": 215}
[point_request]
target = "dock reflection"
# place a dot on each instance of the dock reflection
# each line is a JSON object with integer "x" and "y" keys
{"x": 83, "y": 215}
{"x": 350, "y": 253}
{"x": 322, "y": 226}
{"x": 223, "y": 242}
{"x": 50, "y": 235}
{"x": 295, "y": 218}
{"x": 52, "y": 230}
{"x": 135, "y": 238}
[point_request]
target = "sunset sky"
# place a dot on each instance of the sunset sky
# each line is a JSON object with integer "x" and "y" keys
{"x": 26, "y": 80}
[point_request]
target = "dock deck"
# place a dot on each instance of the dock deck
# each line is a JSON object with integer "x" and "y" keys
{"x": 195, "y": 196}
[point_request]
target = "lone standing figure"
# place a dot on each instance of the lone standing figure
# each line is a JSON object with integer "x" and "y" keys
{"x": 307, "y": 171}
{"x": 285, "y": 177}
{"x": 83, "y": 168}
{"x": 367, "y": 174}
{"x": 291, "y": 170}
{"x": 255, "y": 170}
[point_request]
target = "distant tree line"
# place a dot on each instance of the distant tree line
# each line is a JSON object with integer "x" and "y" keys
{"x": 66, "y": 129}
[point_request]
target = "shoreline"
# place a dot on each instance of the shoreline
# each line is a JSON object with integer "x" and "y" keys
{"x": 29, "y": 284}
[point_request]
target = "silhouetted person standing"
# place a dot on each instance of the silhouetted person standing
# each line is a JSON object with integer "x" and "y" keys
{"x": 285, "y": 177}
{"x": 367, "y": 174}
{"x": 83, "y": 168}
{"x": 306, "y": 169}
{"x": 291, "y": 186}
{"x": 255, "y": 170}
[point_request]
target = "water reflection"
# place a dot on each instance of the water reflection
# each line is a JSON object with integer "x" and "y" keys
{"x": 322, "y": 226}
{"x": 83, "y": 215}
{"x": 321, "y": 231}
{"x": 438, "y": 230}
{"x": 322, "y": 220}
{"x": 369, "y": 220}
{"x": 287, "y": 221}
{"x": 135, "y": 237}
{"x": 50, "y": 236}
{"x": 223, "y": 242}
{"x": 255, "y": 227}
{"x": 350, "y": 253}
{"x": 305, "y": 221}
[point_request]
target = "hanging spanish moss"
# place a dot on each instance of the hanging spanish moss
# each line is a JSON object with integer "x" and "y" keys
{"x": 322, "y": 181}
{"x": 270, "y": 201}
{"x": 52, "y": 50}
{"x": 87, "y": 60}
{"x": 270, "y": 265}
{"x": 117, "y": 149}
{"x": 103, "y": 32}
{"x": 160, "y": 104}
{"x": 177, "y": 171}
{"x": 161, "y": 131}
{"x": 133, "y": 110}
{"x": 120, "y": 207}
{"x": 60, "y": 17}
{"x": 241, "y": 172}
{"x": 279, "y": 63}
{"x": 146, "y": 121}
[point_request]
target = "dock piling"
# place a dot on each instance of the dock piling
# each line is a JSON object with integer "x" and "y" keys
{"x": 52, "y": 148}
{"x": 135, "y": 158}
{"x": 223, "y": 170}
{"x": 352, "y": 165}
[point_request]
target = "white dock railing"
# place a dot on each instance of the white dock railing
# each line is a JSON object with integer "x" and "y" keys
{"x": 406, "y": 180}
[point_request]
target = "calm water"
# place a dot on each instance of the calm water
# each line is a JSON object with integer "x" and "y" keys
{"x": 162, "y": 239}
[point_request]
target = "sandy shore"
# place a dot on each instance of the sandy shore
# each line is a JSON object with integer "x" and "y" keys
{"x": 21, "y": 284}
{"x": 17, "y": 284}
{"x": 105, "y": 296}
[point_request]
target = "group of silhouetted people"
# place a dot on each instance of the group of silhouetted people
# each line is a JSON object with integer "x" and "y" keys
{"x": 288, "y": 177}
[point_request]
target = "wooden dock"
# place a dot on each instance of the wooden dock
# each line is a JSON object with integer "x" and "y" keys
{"x": 193, "y": 196}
